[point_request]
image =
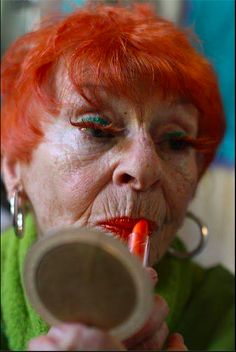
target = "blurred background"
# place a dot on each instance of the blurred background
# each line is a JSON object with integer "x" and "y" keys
{"x": 214, "y": 22}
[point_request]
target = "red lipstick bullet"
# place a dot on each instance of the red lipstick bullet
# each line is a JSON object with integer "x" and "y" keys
{"x": 138, "y": 242}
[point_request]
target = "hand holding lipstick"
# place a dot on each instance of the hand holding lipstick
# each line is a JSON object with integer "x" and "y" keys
{"x": 154, "y": 334}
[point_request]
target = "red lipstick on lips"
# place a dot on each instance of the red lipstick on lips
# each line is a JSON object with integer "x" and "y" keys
{"x": 123, "y": 226}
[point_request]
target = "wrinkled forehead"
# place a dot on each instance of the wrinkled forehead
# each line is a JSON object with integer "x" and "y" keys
{"x": 102, "y": 98}
{"x": 67, "y": 92}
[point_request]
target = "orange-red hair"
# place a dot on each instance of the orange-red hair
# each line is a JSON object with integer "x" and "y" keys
{"x": 110, "y": 46}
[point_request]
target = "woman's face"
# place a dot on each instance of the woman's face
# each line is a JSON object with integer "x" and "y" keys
{"x": 84, "y": 175}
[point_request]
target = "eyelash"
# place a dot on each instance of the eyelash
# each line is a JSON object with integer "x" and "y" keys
{"x": 202, "y": 144}
{"x": 179, "y": 143}
{"x": 107, "y": 131}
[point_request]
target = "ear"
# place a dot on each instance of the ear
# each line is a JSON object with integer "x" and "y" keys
{"x": 11, "y": 176}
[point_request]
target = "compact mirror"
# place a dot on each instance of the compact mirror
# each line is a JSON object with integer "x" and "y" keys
{"x": 83, "y": 275}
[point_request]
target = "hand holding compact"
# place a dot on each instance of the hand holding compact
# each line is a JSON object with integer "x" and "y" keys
{"x": 75, "y": 337}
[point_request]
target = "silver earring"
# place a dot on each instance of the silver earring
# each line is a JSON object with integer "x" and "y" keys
{"x": 17, "y": 213}
{"x": 202, "y": 242}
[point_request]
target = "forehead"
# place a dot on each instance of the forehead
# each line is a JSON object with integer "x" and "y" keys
{"x": 104, "y": 100}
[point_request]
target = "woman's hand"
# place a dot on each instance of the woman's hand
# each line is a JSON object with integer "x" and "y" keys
{"x": 76, "y": 337}
{"x": 153, "y": 336}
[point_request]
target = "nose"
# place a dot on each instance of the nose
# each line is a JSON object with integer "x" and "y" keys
{"x": 139, "y": 165}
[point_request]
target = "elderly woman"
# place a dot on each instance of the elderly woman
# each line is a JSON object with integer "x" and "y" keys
{"x": 111, "y": 115}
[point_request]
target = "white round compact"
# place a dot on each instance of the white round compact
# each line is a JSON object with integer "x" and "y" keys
{"x": 83, "y": 275}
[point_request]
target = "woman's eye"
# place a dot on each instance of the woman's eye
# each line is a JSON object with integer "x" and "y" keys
{"x": 178, "y": 144}
{"x": 175, "y": 141}
{"x": 97, "y": 132}
{"x": 95, "y": 126}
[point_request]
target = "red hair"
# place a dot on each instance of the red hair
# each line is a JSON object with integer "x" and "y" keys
{"x": 110, "y": 46}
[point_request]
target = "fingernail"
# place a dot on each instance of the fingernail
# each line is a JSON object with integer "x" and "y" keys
{"x": 176, "y": 338}
{"x": 179, "y": 337}
{"x": 153, "y": 275}
{"x": 56, "y": 331}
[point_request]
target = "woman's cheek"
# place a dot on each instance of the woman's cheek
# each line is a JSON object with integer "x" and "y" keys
{"x": 184, "y": 174}
{"x": 80, "y": 185}
{"x": 179, "y": 184}
{"x": 183, "y": 162}
{"x": 59, "y": 188}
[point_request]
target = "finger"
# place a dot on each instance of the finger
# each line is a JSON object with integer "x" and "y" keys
{"x": 67, "y": 335}
{"x": 155, "y": 342}
{"x": 76, "y": 337}
{"x": 176, "y": 343}
{"x": 43, "y": 343}
{"x": 158, "y": 316}
{"x": 153, "y": 275}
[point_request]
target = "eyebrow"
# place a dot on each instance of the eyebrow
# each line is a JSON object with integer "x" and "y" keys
{"x": 98, "y": 106}
{"x": 181, "y": 101}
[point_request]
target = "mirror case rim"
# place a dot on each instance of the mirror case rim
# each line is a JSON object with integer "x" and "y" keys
{"x": 111, "y": 245}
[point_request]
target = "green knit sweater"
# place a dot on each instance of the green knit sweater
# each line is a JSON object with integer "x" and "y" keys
{"x": 201, "y": 300}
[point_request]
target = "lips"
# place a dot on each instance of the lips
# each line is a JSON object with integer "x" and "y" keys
{"x": 123, "y": 226}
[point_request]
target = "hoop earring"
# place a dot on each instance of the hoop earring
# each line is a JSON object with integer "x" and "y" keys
{"x": 202, "y": 243}
{"x": 17, "y": 212}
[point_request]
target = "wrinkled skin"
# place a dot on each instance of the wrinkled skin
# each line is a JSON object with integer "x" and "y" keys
{"x": 77, "y": 179}
{"x": 83, "y": 180}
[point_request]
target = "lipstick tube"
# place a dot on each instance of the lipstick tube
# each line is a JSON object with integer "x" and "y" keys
{"x": 139, "y": 243}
